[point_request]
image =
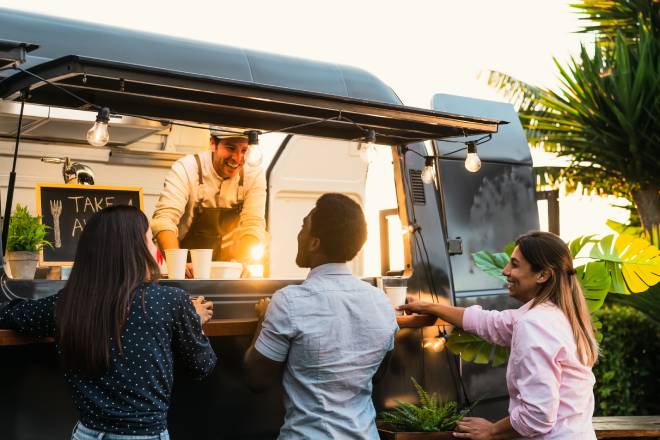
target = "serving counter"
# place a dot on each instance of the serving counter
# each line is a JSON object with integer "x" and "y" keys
{"x": 36, "y": 402}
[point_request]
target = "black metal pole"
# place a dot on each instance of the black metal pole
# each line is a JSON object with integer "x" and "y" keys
{"x": 12, "y": 179}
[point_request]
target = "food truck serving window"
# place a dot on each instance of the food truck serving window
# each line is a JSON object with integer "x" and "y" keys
{"x": 309, "y": 167}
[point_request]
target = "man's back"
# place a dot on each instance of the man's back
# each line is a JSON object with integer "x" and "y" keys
{"x": 334, "y": 331}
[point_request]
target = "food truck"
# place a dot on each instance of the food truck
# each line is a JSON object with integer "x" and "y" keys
{"x": 426, "y": 212}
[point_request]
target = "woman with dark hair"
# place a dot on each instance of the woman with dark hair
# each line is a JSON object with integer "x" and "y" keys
{"x": 552, "y": 344}
{"x": 117, "y": 331}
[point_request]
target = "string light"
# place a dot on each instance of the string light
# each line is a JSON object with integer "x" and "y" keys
{"x": 254, "y": 156}
{"x": 472, "y": 161}
{"x": 98, "y": 135}
{"x": 428, "y": 173}
{"x": 366, "y": 148}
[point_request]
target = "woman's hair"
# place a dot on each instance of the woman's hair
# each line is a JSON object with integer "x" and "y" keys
{"x": 112, "y": 260}
{"x": 546, "y": 251}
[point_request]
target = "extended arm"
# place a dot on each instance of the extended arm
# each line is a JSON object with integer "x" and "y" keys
{"x": 451, "y": 314}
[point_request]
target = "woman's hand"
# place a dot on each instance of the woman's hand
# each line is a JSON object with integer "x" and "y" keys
{"x": 203, "y": 308}
{"x": 474, "y": 428}
{"x": 413, "y": 305}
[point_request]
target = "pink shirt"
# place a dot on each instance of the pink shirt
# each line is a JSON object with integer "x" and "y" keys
{"x": 550, "y": 390}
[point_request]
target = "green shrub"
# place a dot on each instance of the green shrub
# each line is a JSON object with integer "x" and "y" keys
{"x": 25, "y": 233}
{"x": 627, "y": 374}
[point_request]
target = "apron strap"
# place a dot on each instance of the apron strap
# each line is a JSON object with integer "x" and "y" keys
{"x": 240, "y": 194}
{"x": 200, "y": 182}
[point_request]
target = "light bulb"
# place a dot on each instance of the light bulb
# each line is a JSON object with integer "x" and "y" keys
{"x": 428, "y": 172}
{"x": 472, "y": 161}
{"x": 368, "y": 152}
{"x": 254, "y": 156}
{"x": 98, "y": 135}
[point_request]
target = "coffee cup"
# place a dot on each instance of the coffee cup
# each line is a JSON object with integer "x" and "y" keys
{"x": 176, "y": 263}
{"x": 201, "y": 263}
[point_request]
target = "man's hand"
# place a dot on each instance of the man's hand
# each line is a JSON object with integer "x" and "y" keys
{"x": 414, "y": 306}
{"x": 189, "y": 271}
{"x": 203, "y": 308}
{"x": 474, "y": 428}
{"x": 261, "y": 307}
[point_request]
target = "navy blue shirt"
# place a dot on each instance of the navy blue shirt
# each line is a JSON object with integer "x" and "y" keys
{"x": 133, "y": 395}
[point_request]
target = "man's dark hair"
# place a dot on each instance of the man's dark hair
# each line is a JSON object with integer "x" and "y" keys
{"x": 338, "y": 222}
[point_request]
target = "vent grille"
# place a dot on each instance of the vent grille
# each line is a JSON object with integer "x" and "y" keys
{"x": 417, "y": 187}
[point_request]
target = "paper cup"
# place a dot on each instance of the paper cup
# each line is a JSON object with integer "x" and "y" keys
{"x": 397, "y": 296}
{"x": 176, "y": 263}
{"x": 201, "y": 263}
{"x": 65, "y": 271}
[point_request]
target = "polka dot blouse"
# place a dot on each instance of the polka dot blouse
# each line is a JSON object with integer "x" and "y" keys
{"x": 132, "y": 396}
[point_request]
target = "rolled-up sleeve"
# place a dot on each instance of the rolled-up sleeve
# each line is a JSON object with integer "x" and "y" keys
{"x": 537, "y": 375}
{"x": 277, "y": 330}
{"x": 494, "y": 326}
{"x": 252, "y": 219}
{"x": 172, "y": 202}
{"x": 190, "y": 342}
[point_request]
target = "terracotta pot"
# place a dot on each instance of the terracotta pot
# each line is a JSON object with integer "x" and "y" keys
{"x": 388, "y": 433}
{"x": 23, "y": 264}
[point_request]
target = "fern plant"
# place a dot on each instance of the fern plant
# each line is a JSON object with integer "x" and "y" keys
{"x": 25, "y": 232}
{"x": 430, "y": 415}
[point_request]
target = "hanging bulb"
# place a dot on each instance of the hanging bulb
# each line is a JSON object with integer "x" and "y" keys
{"x": 428, "y": 172}
{"x": 98, "y": 135}
{"x": 254, "y": 156}
{"x": 472, "y": 161}
{"x": 366, "y": 148}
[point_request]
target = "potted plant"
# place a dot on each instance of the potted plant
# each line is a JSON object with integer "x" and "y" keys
{"x": 25, "y": 238}
{"x": 430, "y": 420}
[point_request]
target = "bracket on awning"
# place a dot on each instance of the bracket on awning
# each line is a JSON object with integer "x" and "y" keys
{"x": 164, "y": 94}
{"x": 14, "y": 52}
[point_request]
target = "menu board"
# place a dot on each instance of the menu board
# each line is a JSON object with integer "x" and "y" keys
{"x": 65, "y": 208}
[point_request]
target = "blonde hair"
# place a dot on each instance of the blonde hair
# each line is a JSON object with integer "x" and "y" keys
{"x": 546, "y": 251}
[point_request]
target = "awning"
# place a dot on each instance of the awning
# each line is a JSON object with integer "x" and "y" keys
{"x": 171, "y": 95}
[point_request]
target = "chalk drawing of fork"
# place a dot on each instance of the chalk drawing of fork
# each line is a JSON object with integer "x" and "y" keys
{"x": 56, "y": 211}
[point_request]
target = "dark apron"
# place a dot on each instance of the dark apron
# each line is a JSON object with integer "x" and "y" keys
{"x": 213, "y": 228}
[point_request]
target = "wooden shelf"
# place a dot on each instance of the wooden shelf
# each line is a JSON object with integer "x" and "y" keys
{"x": 223, "y": 327}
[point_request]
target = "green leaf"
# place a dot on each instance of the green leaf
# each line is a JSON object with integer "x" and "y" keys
{"x": 472, "y": 348}
{"x": 576, "y": 245}
{"x": 509, "y": 247}
{"x": 633, "y": 263}
{"x": 595, "y": 281}
{"x": 491, "y": 263}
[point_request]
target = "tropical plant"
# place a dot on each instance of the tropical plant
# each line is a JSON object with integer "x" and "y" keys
{"x": 25, "y": 232}
{"x": 430, "y": 415}
{"x": 619, "y": 265}
{"x": 606, "y": 114}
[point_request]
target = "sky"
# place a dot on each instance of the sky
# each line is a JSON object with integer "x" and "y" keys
{"x": 417, "y": 47}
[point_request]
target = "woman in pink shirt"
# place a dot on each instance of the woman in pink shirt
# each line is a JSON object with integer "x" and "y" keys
{"x": 552, "y": 344}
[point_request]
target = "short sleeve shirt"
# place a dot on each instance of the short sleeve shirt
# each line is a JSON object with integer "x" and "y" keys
{"x": 333, "y": 331}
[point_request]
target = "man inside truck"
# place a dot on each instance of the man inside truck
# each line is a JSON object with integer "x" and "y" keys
{"x": 329, "y": 335}
{"x": 211, "y": 200}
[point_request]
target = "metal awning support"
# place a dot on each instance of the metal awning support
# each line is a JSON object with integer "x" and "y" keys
{"x": 14, "y": 52}
{"x": 163, "y": 94}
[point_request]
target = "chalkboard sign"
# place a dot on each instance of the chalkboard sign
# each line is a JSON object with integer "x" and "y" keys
{"x": 66, "y": 209}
